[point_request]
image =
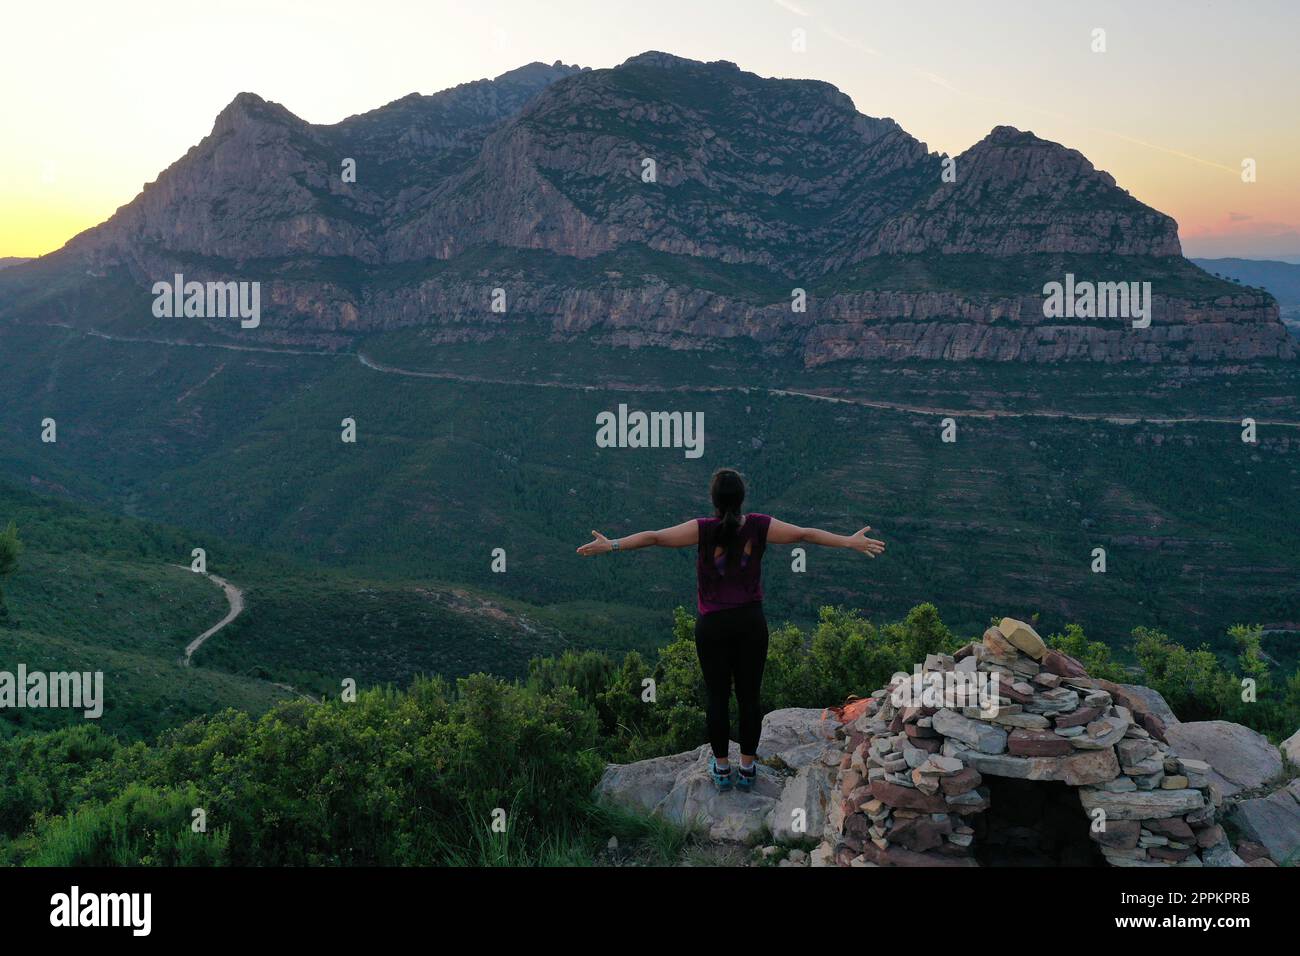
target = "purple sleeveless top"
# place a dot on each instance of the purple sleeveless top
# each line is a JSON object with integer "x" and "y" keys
{"x": 724, "y": 583}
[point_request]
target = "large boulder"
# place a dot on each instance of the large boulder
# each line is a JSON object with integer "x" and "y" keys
{"x": 678, "y": 787}
{"x": 1291, "y": 748}
{"x": 805, "y": 802}
{"x": 1153, "y": 701}
{"x": 643, "y": 785}
{"x": 1273, "y": 822}
{"x": 732, "y": 816}
{"x": 796, "y": 735}
{"x": 1239, "y": 758}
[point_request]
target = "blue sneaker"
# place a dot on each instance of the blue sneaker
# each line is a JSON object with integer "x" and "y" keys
{"x": 746, "y": 781}
{"x": 721, "y": 778}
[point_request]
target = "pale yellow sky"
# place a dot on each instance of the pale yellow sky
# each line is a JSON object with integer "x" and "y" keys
{"x": 99, "y": 98}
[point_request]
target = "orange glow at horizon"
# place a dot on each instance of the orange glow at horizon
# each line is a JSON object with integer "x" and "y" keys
{"x": 1178, "y": 99}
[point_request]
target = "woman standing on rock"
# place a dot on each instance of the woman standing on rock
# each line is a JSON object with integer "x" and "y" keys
{"x": 731, "y": 631}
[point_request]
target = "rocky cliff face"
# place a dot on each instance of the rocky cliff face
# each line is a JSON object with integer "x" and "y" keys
{"x": 745, "y": 170}
{"x": 1014, "y": 194}
{"x": 536, "y": 183}
{"x": 266, "y": 184}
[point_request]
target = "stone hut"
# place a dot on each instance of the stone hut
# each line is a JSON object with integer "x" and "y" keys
{"x": 1007, "y": 752}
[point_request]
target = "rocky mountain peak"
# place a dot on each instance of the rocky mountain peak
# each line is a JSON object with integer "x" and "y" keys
{"x": 1014, "y": 193}
{"x": 716, "y": 189}
{"x": 249, "y": 108}
{"x": 1009, "y": 136}
{"x": 670, "y": 61}
{"x": 538, "y": 73}
{"x": 1010, "y": 154}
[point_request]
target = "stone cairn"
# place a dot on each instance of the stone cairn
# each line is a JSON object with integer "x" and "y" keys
{"x": 911, "y": 776}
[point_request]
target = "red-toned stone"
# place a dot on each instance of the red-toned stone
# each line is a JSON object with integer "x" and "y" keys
{"x": 914, "y": 731}
{"x": 1120, "y": 696}
{"x": 858, "y": 825}
{"x": 1210, "y": 836}
{"x": 897, "y": 856}
{"x": 963, "y": 781}
{"x": 919, "y": 834}
{"x": 851, "y": 780}
{"x": 1154, "y": 726}
{"x": 1077, "y": 718}
{"x": 899, "y": 796}
{"x": 1169, "y": 853}
{"x": 1015, "y": 696}
{"x": 1062, "y": 664}
{"x": 1173, "y": 827}
{"x": 931, "y": 745}
{"x": 998, "y": 644}
{"x": 1037, "y": 743}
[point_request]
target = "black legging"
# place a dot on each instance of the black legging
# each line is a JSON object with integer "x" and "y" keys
{"x": 732, "y": 644}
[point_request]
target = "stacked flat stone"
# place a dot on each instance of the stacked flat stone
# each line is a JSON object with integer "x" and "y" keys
{"x": 910, "y": 778}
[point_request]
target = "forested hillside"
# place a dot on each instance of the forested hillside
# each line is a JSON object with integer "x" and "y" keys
{"x": 247, "y": 447}
{"x": 92, "y": 591}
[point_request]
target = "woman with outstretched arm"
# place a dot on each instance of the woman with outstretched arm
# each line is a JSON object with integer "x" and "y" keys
{"x": 731, "y": 631}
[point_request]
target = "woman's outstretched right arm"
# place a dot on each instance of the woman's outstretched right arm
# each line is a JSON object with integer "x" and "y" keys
{"x": 683, "y": 535}
{"x": 781, "y": 532}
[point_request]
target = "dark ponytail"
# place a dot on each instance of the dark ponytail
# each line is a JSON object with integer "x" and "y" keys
{"x": 728, "y": 494}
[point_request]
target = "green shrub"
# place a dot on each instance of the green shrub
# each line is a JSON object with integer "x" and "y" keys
{"x": 1093, "y": 655}
{"x": 141, "y": 827}
{"x": 1193, "y": 682}
{"x": 487, "y": 771}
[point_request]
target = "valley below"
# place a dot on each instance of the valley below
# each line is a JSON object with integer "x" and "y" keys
{"x": 351, "y": 555}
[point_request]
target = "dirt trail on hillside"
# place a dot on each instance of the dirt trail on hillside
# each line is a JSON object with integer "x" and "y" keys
{"x": 235, "y": 598}
{"x": 110, "y": 337}
{"x": 1109, "y": 417}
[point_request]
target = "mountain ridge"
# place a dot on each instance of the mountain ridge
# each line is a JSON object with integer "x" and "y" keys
{"x": 537, "y": 183}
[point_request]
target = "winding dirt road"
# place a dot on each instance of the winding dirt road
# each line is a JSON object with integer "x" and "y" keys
{"x": 1110, "y": 417}
{"x": 234, "y": 596}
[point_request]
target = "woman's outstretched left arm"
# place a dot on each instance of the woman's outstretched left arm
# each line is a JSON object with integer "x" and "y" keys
{"x": 780, "y": 532}
{"x": 683, "y": 535}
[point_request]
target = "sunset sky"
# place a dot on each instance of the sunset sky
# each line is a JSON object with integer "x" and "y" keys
{"x": 100, "y": 97}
